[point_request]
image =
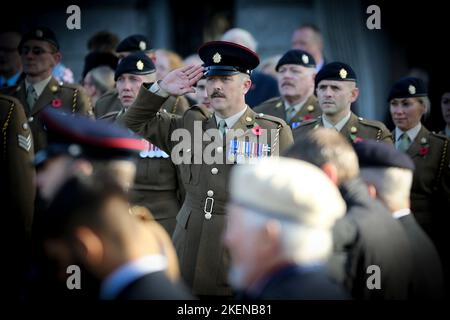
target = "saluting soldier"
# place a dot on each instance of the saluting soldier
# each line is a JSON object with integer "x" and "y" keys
{"x": 17, "y": 188}
{"x": 337, "y": 89}
{"x": 430, "y": 152}
{"x": 110, "y": 101}
{"x": 200, "y": 222}
{"x": 295, "y": 74}
{"x": 39, "y": 51}
{"x": 156, "y": 184}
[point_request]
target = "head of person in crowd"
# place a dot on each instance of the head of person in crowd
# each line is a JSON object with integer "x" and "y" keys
{"x": 39, "y": 50}
{"x": 408, "y": 102}
{"x": 445, "y": 108}
{"x": 241, "y": 37}
{"x": 227, "y": 70}
{"x": 269, "y": 64}
{"x": 132, "y": 71}
{"x": 201, "y": 96}
{"x": 96, "y": 59}
{"x": 103, "y": 41}
{"x": 336, "y": 90}
{"x": 89, "y": 225}
{"x": 328, "y": 150}
{"x": 98, "y": 81}
{"x": 387, "y": 172}
{"x": 10, "y": 63}
{"x": 166, "y": 61}
{"x": 277, "y": 216}
{"x": 296, "y": 70}
{"x": 133, "y": 44}
{"x": 309, "y": 38}
{"x": 79, "y": 145}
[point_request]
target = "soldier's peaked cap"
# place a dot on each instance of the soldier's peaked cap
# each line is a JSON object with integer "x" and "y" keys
{"x": 222, "y": 58}
{"x": 79, "y": 136}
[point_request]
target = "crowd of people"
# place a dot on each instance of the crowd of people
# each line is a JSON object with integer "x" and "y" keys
{"x": 208, "y": 177}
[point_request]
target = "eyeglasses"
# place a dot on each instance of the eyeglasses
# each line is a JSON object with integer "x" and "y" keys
{"x": 35, "y": 50}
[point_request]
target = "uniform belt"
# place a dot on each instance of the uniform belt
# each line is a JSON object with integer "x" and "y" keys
{"x": 206, "y": 204}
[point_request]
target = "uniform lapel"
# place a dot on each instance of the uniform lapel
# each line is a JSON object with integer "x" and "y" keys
{"x": 46, "y": 97}
{"x": 352, "y": 122}
{"x": 414, "y": 148}
{"x": 279, "y": 109}
{"x": 304, "y": 110}
{"x": 21, "y": 94}
{"x": 244, "y": 124}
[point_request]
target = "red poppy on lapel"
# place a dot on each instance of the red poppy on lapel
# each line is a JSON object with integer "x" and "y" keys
{"x": 56, "y": 103}
{"x": 257, "y": 130}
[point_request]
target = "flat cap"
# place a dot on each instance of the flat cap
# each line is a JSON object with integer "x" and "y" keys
{"x": 407, "y": 88}
{"x": 296, "y": 56}
{"x": 136, "y": 63}
{"x": 287, "y": 189}
{"x": 337, "y": 71}
{"x": 79, "y": 136}
{"x": 40, "y": 33}
{"x": 222, "y": 58}
{"x": 97, "y": 59}
{"x": 134, "y": 43}
{"x": 381, "y": 155}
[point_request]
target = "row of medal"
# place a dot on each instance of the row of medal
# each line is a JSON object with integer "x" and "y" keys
{"x": 152, "y": 151}
{"x": 246, "y": 151}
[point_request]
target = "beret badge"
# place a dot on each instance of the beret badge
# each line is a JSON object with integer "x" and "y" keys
{"x": 343, "y": 73}
{"x": 140, "y": 65}
{"x": 142, "y": 45}
{"x": 305, "y": 59}
{"x": 217, "y": 57}
{"x": 412, "y": 89}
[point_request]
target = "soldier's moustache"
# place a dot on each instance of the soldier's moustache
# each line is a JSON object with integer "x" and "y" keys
{"x": 217, "y": 94}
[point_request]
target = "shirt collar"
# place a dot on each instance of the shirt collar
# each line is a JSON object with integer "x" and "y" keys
{"x": 297, "y": 107}
{"x": 338, "y": 125}
{"x": 129, "y": 272}
{"x": 231, "y": 121}
{"x": 412, "y": 133}
{"x": 39, "y": 86}
{"x": 401, "y": 213}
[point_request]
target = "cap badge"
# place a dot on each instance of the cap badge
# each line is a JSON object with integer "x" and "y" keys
{"x": 39, "y": 33}
{"x": 142, "y": 45}
{"x": 217, "y": 57}
{"x": 140, "y": 65}
{"x": 305, "y": 59}
{"x": 412, "y": 89}
{"x": 343, "y": 73}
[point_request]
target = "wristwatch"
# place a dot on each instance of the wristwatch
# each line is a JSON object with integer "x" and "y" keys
{"x": 156, "y": 89}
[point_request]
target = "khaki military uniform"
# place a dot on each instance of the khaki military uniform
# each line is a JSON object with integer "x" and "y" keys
{"x": 430, "y": 192}
{"x": 356, "y": 129}
{"x": 109, "y": 104}
{"x": 276, "y": 107}
{"x": 66, "y": 97}
{"x": 200, "y": 222}
{"x": 17, "y": 187}
{"x": 157, "y": 185}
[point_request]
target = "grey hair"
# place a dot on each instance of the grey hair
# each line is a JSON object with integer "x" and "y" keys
{"x": 242, "y": 37}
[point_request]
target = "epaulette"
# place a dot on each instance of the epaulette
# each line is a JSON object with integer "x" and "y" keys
{"x": 372, "y": 123}
{"x": 277, "y": 120}
{"x": 199, "y": 108}
{"x": 439, "y": 135}
{"x": 310, "y": 122}
{"x": 272, "y": 100}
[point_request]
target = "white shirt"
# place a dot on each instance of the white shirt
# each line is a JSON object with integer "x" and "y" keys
{"x": 38, "y": 86}
{"x": 231, "y": 121}
{"x": 129, "y": 272}
{"x": 412, "y": 134}
{"x": 327, "y": 124}
{"x": 401, "y": 213}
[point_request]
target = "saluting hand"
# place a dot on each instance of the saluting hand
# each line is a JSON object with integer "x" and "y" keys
{"x": 180, "y": 81}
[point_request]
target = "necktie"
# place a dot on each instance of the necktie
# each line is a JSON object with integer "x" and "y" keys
{"x": 404, "y": 142}
{"x": 222, "y": 127}
{"x": 31, "y": 96}
{"x": 290, "y": 113}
